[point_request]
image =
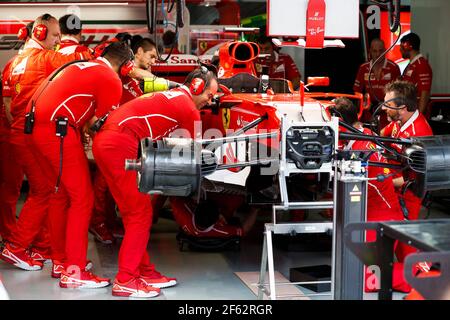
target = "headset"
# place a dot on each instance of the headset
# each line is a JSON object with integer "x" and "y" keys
{"x": 40, "y": 31}
{"x": 198, "y": 84}
{"x": 398, "y": 102}
{"x": 409, "y": 105}
{"x": 23, "y": 33}
{"x": 126, "y": 66}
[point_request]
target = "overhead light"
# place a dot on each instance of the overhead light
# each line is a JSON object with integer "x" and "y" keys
{"x": 65, "y": 4}
{"x": 208, "y": 3}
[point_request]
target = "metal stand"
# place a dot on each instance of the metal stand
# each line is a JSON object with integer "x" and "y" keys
{"x": 267, "y": 260}
{"x": 347, "y": 271}
{"x": 285, "y": 170}
{"x": 432, "y": 237}
{"x": 349, "y": 205}
{"x": 350, "y": 193}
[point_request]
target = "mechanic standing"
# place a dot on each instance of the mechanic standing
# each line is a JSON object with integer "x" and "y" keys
{"x": 155, "y": 116}
{"x": 418, "y": 71}
{"x": 28, "y": 71}
{"x": 71, "y": 28}
{"x": 383, "y": 72}
{"x": 9, "y": 192}
{"x": 11, "y": 176}
{"x": 400, "y": 104}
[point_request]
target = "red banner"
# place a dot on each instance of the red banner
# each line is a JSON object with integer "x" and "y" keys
{"x": 315, "y": 24}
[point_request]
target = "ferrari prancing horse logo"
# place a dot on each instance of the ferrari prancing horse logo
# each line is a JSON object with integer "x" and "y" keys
{"x": 226, "y": 118}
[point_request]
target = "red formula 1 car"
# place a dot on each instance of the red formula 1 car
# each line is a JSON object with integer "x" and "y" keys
{"x": 291, "y": 135}
{"x": 271, "y": 106}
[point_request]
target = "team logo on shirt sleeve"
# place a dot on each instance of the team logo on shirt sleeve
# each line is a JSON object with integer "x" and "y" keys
{"x": 394, "y": 132}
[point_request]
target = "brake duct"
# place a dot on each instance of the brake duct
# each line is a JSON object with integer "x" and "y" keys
{"x": 175, "y": 166}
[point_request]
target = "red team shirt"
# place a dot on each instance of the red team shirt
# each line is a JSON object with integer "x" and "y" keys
{"x": 382, "y": 200}
{"x": 419, "y": 72}
{"x": 131, "y": 89}
{"x": 6, "y": 92}
{"x": 155, "y": 115}
{"x": 88, "y": 96}
{"x": 70, "y": 45}
{"x": 389, "y": 72}
{"x": 416, "y": 126}
{"x": 29, "y": 69}
{"x": 6, "y": 89}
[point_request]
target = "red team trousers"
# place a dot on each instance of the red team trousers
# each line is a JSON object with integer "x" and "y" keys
{"x": 31, "y": 227}
{"x": 104, "y": 206}
{"x": 11, "y": 177}
{"x": 111, "y": 149}
{"x": 74, "y": 196}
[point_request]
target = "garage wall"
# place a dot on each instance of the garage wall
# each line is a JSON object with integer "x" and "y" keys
{"x": 430, "y": 20}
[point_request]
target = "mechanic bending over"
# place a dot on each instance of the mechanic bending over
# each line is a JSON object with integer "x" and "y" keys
{"x": 61, "y": 110}
{"x": 103, "y": 224}
{"x": 155, "y": 116}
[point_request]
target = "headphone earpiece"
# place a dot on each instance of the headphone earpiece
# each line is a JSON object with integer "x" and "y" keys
{"x": 410, "y": 107}
{"x": 126, "y": 67}
{"x": 198, "y": 85}
{"x": 40, "y": 32}
{"x": 99, "y": 50}
{"x": 23, "y": 33}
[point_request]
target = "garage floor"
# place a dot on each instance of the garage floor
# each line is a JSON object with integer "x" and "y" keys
{"x": 201, "y": 275}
